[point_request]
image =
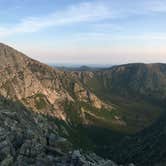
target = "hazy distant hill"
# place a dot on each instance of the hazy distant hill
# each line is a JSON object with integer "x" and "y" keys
{"x": 80, "y": 68}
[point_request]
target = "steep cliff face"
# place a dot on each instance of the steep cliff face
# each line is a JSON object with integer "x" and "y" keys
{"x": 44, "y": 89}
{"x": 128, "y": 80}
{"x": 23, "y": 78}
{"x": 37, "y": 104}
{"x": 138, "y": 92}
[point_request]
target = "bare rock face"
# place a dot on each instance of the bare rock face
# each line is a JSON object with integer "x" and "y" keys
{"x": 28, "y": 138}
{"x": 22, "y": 79}
{"x": 86, "y": 96}
{"x": 33, "y": 113}
{"x": 39, "y": 86}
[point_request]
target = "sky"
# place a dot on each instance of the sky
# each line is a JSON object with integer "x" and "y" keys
{"x": 86, "y": 31}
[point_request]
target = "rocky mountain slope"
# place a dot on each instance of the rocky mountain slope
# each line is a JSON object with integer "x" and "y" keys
{"x": 137, "y": 92}
{"x": 40, "y": 87}
{"x": 47, "y": 113}
{"x": 138, "y": 87}
{"x": 27, "y": 138}
{"x": 39, "y": 107}
{"x": 145, "y": 80}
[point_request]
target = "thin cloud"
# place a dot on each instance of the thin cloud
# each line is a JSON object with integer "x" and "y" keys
{"x": 83, "y": 12}
{"x": 112, "y": 37}
{"x": 95, "y": 11}
{"x": 156, "y": 6}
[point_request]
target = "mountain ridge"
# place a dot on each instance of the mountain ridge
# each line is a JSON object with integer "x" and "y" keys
{"x": 121, "y": 104}
{"x": 23, "y": 78}
{"x": 38, "y": 109}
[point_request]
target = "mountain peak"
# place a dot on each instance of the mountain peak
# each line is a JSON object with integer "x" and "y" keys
{"x": 5, "y": 46}
{"x": 2, "y": 44}
{"x": 10, "y": 56}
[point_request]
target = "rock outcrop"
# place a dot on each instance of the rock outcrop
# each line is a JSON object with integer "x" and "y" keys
{"x": 27, "y": 138}
{"x": 40, "y": 87}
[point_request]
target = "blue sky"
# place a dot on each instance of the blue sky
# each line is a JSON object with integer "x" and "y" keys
{"x": 86, "y": 32}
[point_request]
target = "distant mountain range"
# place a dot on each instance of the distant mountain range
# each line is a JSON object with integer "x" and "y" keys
{"x": 117, "y": 112}
{"x": 80, "y": 67}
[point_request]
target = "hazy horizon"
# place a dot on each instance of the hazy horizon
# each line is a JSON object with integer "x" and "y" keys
{"x": 86, "y": 32}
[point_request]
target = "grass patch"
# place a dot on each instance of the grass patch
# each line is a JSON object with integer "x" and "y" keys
{"x": 40, "y": 101}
